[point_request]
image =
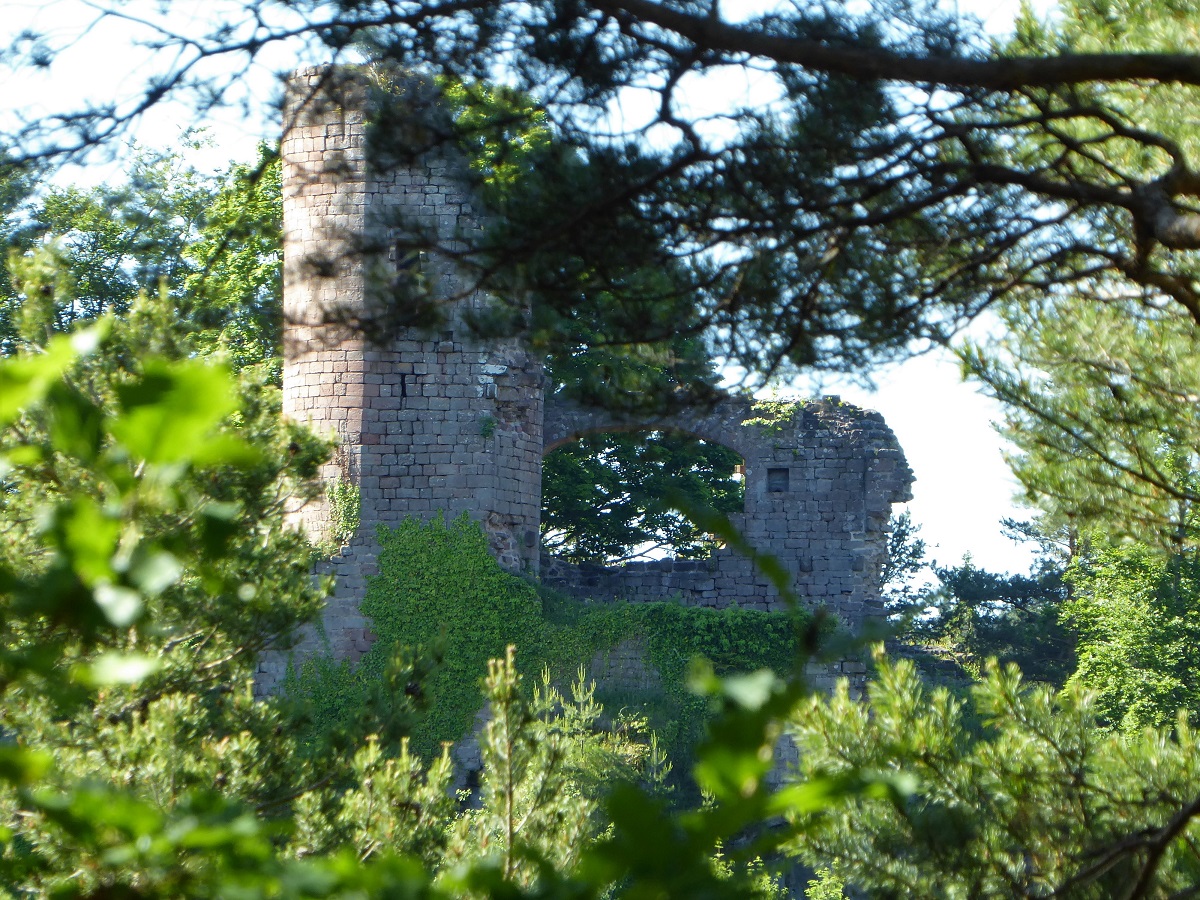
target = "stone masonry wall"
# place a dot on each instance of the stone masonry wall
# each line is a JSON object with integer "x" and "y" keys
{"x": 821, "y": 478}
{"x": 428, "y": 419}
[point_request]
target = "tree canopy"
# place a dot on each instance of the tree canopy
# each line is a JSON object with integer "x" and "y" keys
{"x": 607, "y": 497}
{"x": 208, "y": 244}
{"x": 897, "y": 173}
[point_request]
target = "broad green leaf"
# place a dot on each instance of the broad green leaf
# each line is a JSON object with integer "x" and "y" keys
{"x": 89, "y": 539}
{"x": 226, "y": 450}
{"x": 171, "y": 411}
{"x": 752, "y": 690}
{"x": 819, "y": 793}
{"x": 25, "y": 380}
{"x": 155, "y": 572}
{"x": 211, "y": 836}
{"x": 85, "y": 809}
{"x": 75, "y": 422}
{"x": 23, "y": 455}
{"x": 218, "y": 524}
{"x": 23, "y": 766}
{"x": 121, "y": 605}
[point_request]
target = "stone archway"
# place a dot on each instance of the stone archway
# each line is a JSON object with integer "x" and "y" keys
{"x": 607, "y": 494}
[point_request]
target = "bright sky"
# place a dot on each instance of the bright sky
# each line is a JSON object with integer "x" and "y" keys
{"x": 963, "y": 486}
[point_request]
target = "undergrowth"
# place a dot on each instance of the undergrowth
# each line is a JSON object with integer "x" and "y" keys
{"x": 439, "y": 592}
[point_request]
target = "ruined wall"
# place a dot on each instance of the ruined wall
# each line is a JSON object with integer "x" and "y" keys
{"x": 431, "y": 418}
{"x": 821, "y": 478}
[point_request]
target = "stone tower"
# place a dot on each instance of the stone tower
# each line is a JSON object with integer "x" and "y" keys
{"x": 427, "y": 417}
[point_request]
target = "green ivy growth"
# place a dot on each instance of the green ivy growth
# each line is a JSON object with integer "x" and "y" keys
{"x": 672, "y": 636}
{"x": 772, "y": 416}
{"x": 345, "y": 509}
{"x": 439, "y": 590}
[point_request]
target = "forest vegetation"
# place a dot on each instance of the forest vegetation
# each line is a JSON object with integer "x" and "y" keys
{"x": 1031, "y": 734}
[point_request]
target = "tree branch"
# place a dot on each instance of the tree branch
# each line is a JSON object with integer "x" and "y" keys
{"x": 876, "y": 64}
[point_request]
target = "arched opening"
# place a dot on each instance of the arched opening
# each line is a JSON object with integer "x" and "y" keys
{"x": 607, "y": 497}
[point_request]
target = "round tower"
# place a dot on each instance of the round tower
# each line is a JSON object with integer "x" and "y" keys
{"x": 378, "y": 352}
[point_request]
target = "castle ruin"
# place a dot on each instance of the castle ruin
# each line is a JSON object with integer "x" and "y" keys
{"x": 438, "y": 419}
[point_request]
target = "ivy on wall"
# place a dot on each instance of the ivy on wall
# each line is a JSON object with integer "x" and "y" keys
{"x": 440, "y": 591}
{"x": 345, "y": 509}
{"x": 672, "y": 636}
{"x": 439, "y": 588}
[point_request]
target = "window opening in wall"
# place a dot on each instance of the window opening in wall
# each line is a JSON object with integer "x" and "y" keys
{"x": 405, "y": 258}
{"x": 778, "y": 480}
{"x": 605, "y": 496}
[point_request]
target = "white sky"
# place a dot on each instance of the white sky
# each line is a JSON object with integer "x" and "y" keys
{"x": 963, "y": 486}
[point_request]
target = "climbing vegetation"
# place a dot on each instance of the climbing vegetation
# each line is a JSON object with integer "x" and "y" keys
{"x": 440, "y": 593}
{"x": 345, "y": 508}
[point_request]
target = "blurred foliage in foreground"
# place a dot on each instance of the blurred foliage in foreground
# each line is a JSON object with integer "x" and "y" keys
{"x": 135, "y": 763}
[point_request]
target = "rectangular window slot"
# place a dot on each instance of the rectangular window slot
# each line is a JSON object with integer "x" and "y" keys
{"x": 405, "y": 258}
{"x": 777, "y": 480}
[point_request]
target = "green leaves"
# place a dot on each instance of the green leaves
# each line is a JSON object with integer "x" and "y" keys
{"x": 439, "y": 587}
{"x": 86, "y": 533}
{"x": 1099, "y": 404}
{"x": 737, "y": 753}
{"x": 607, "y": 495}
{"x": 105, "y": 501}
{"x": 818, "y": 793}
{"x": 127, "y": 549}
{"x": 116, "y": 668}
{"x": 167, "y": 414}
{"x": 22, "y": 766}
{"x": 121, "y": 605}
{"x": 25, "y": 381}
{"x": 1136, "y": 615}
{"x": 234, "y": 285}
